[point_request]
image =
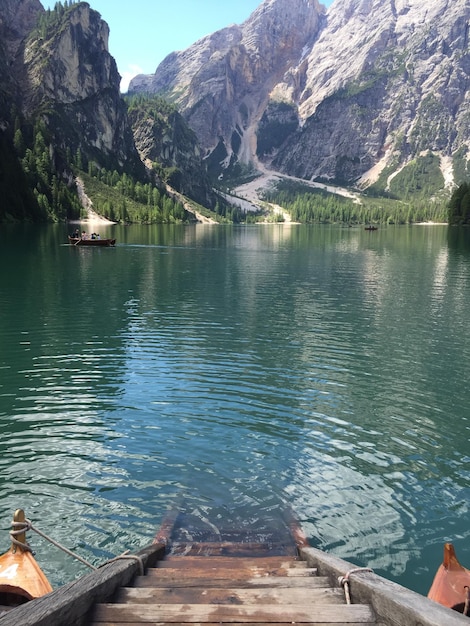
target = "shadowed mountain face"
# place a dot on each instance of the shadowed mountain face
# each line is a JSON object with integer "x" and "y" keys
{"x": 60, "y": 105}
{"x": 344, "y": 94}
{"x": 222, "y": 84}
{"x": 56, "y": 66}
{"x": 71, "y": 71}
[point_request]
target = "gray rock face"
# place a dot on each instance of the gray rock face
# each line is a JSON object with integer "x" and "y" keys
{"x": 63, "y": 69}
{"x": 17, "y": 18}
{"x": 223, "y": 82}
{"x": 373, "y": 83}
{"x": 162, "y": 136}
{"x": 74, "y": 64}
{"x": 385, "y": 81}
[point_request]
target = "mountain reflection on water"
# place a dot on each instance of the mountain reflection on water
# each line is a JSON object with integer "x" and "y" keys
{"x": 238, "y": 372}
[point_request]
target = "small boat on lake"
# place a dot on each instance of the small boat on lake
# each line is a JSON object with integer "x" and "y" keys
{"x": 80, "y": 241}
{"x": 451, "y": 585}
{"x": 371, "y": 228}
{"x": 21, "y": 578}
{"x": 238, "y": 575}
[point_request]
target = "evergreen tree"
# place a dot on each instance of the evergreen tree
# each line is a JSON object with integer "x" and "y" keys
{"x": 459, "y": 205}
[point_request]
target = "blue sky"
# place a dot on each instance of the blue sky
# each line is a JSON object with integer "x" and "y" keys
{"x": 143, "y": 32}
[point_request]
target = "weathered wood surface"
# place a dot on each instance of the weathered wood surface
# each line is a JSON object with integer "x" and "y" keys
{"x": 232, "y": 590}
{"x": 393, "y": 604}
{"x": 246, "y": 613}
{"x": 215, "y": 573}
{"x": 211, "y": 590}
{"x": 315, "y": 623}
{"x": 231, "y": 580}
{"x": 233, "y": 548}
{"x": 69, "y": 605}
{"x": 231, "y": 595}
{"x": 280, "y": 562}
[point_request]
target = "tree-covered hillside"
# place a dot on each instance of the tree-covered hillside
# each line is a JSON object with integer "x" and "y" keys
{"x": 131, "y": 154}
{"x": 315, "y": 205}
{"x": 54, "y": 127}
{"x": 459, "y": 205}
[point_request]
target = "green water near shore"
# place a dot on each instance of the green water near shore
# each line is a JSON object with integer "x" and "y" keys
{"x": 238, "y": 371}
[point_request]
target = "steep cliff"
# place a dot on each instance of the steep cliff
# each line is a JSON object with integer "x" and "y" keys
{"x": 386, "y": 81}
{"x": 17, "y": 18}
{"x": 71, "y": 76}
{"x": 350, "y": 94}
{"x": 168, "y": 146}
{"x": 223, "y": 82}
{"x": 61, "y": 111}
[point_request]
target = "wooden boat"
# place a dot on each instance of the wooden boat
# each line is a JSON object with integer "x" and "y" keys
{"x": 451, "y": 585}
{"x": 231, "y": 576}
{"x": 78, "y": 241}
{"x": 371, "y": 228}
{"x": 21, "y": 578}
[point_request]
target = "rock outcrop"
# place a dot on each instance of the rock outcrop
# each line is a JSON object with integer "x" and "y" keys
{"x": 61, "y": 110}
{"x": 165, "y": 142}
{"x": 386, "y": 81}
{"x": 17, "y": 19}
{"x": 349, "y": 93}
{"x": 69, "y": 74}
{"x": 222, "y": 83}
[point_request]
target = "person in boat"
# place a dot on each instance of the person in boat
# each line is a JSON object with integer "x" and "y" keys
{"x": 84, "y": 235}
{"x": 76, "y": 234}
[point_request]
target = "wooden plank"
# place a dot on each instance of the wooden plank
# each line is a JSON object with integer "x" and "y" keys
{"x": 190, "y": 613}
{"x": 392, "y": 603}
{"x": 252, "y": 571}
{"x": 231, "y": 562}
{"x": 306, "y": 582}
{"x": 230, "y": 548}
{"x": 374, "y": 623}
{"x": 146, "y": 595}
{"x": 70, "y": 604}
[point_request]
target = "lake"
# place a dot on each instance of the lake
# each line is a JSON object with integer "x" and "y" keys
{"x": 236, "y": 372}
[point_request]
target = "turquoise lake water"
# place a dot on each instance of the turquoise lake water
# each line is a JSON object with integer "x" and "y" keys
{"x": 237, "y": 372}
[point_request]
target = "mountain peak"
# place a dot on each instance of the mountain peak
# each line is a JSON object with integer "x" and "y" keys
{"x": 227, "y": 77}
{"x": 367, "y": 84}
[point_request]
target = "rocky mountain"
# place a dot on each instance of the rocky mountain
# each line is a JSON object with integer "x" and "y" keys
{"x": 16, "y": 21}
{"x": 166, "y": 144}
{"x": 222, "y": 84}
{"x": 353, "y": 94}
{"x": 61, "y": 111}
{"x": 70, "y": 73}
{"x": 59, "y": 105}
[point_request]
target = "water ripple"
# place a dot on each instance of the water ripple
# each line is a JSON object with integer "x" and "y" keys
{"x": 242, "y": 371}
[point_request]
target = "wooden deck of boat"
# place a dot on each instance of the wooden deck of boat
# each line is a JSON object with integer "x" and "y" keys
{"x": 233, "y": 583}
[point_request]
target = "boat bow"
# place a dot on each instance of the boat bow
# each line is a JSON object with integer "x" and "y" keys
{"x": 451, "y": 583}
{"x": 21, "y": 578}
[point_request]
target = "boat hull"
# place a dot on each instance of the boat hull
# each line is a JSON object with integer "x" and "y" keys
{"x": 92, "y": 242}
{"x": 451, "y": 581}
{"x": 21, "y": 578}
